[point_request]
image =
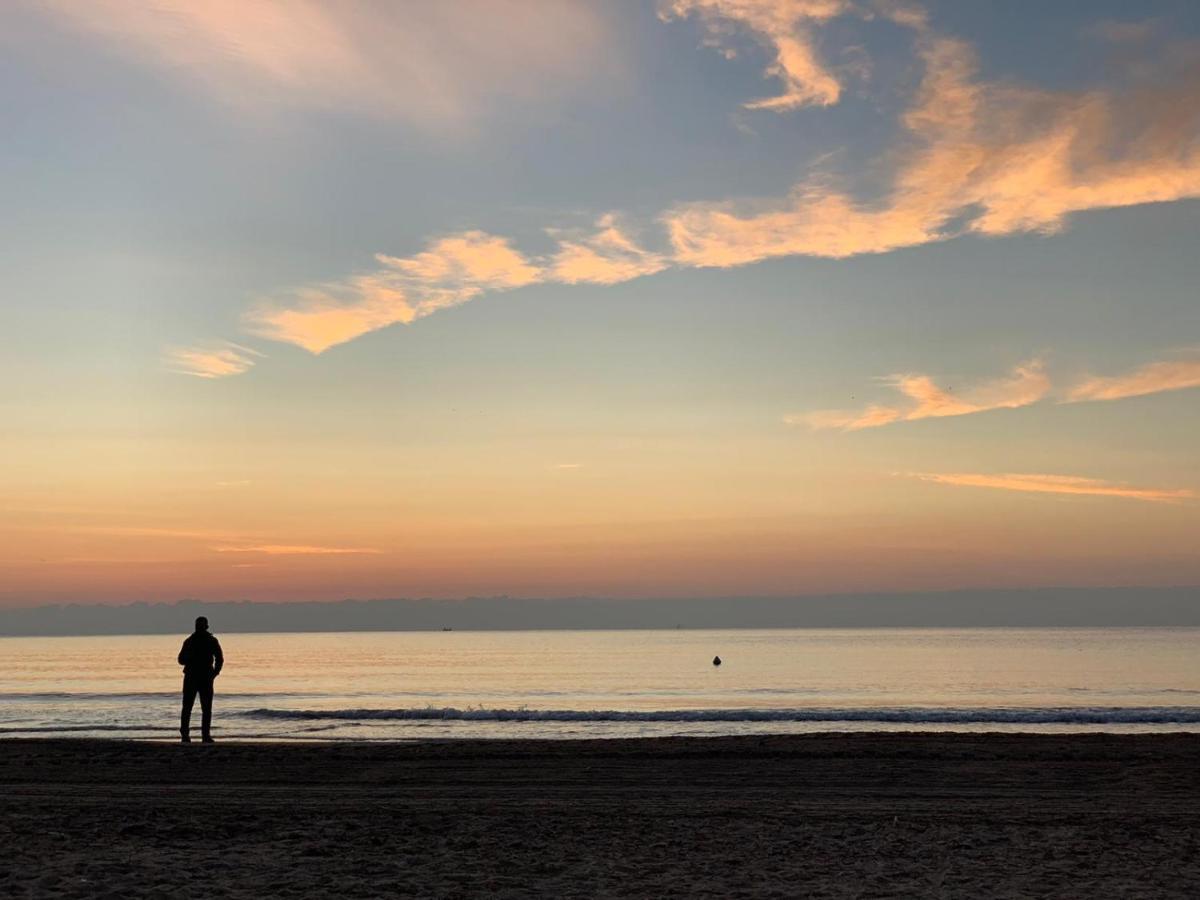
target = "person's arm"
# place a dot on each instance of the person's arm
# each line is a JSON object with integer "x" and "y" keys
{"x": 218, "y": 658}
{"x": 183, "y": 653}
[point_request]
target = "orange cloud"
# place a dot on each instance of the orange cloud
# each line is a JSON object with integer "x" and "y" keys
{"x": 434, "y": 64}
{"x": 1057, "y": 484}
{"x": 319, "y": 317}
{"x": 452, "y": 270}
{"x": 1152, "y": 378}
{"x": 217, "y": 360}
{"x": 295, "y": 550}
{"x": 983, "y": 158}
{"x": 976, "y": 157}
{"x": 846, "y": 420}
{"x": 609, "y": 256}
{"x": 471, "y": 260}
{"x": 782, "y": 25}
{"x": 1026, "y": 384}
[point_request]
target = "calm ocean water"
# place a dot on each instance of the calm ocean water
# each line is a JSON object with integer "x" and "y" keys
{"x": 575, "y": 684}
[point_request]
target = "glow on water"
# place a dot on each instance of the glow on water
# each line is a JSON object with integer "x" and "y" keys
{"x": 405, "y": 685}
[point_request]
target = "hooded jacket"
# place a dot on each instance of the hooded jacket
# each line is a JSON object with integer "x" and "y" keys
{"x": 201, "y": 655}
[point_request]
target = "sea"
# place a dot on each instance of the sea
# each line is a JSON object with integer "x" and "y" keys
{"x": 387, "y": 686}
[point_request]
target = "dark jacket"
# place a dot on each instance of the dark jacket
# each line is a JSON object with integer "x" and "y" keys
{"x": 201, "y": 655}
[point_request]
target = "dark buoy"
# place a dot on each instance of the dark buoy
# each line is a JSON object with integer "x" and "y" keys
{"x": 716, "y": 660}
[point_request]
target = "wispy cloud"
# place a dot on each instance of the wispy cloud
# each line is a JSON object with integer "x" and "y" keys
{"x": 293, "y": 550}
{"x": 975, "y": 157}
{"x": 1058, "y": 484}
{"x": 468, "y": 262}
{"x": 450, "y": 271}
{"x": 608, "y": 256}
{"x": 981, "y": 158}
{"x": 212, "y": 360}
{"x": 1152, "y": 378}
{"x": 1026, "y": 384}
{"x": 784, "y": 26}
{"x": 436, "y": 65}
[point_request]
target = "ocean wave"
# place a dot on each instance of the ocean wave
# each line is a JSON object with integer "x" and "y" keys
{"x": 1156, "y": 715}
{"x": 72, "y": 729}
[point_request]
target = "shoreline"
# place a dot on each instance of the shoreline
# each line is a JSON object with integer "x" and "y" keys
{"x": 169, "y": 736}
{"x": 823, "y": 815}
{"x": 842, "y": 744}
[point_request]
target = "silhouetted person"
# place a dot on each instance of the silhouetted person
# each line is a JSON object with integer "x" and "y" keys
{"x": 201, "y": 659}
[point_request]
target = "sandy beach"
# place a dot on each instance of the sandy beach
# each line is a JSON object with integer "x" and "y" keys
{"x": 867, "y": 815}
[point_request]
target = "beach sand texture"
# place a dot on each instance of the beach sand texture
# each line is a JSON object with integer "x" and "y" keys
{"x": 863, "y": 815}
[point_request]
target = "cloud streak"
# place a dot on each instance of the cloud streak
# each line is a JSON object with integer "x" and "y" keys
{"x": 435, "y": 65}
{"x": 972, "y": 157}
{"x": 295, "y": 550}
{"x": 785, "y": 28}
{"x": 213, "y": 360}
{"x": 1058, "y": 484}
{"x": 609, "y": 256}
{"x": 1152, "y": 378}
{"x": 452, "y": 270}
{"x": 977, "y": 158}
{"x": 1026, "y": 384}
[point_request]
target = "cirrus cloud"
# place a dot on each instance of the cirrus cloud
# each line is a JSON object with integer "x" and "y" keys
{"x": 980, "y": 158}
{"x": 211, "y": 360}
{"x": 973, "y": 157}
{"x": 1057, "y": 484}
{"x": 1026, "y": 384}
{"x": 784, "y": 26}
{"x": 435, "y": 65}
{"x": 452, "y": 270}
{"x": 295, "y": 550}
{"x": 1152, "y": 378}
{"x": 609, "y": 256}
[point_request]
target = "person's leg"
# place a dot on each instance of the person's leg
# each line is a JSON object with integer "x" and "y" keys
{"x": 206, "y": 698}
{"x": 189, "y": 699}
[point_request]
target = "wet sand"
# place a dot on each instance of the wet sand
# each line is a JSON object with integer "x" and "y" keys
{"x": 863, "y": 815}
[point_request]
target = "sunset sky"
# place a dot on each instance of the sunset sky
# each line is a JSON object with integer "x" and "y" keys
{"x": 309, "y": 300}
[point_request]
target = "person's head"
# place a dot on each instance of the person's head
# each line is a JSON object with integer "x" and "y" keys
{"x": 202, "y": 623}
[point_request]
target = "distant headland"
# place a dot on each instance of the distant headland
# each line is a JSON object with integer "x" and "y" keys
{"x": 1041, "y": 607}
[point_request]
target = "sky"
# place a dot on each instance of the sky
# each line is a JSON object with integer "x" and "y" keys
{"x": 550, "y": 298}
